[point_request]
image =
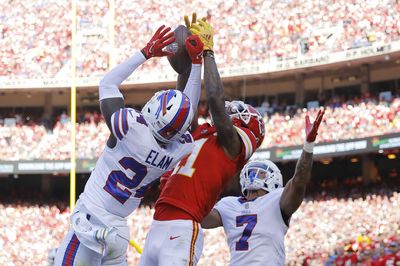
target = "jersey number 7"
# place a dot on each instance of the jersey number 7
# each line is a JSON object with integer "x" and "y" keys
{"x": 251, "y": 221}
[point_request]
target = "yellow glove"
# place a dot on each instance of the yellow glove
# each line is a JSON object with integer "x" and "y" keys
{"x": 203, "y": 29}
{"x": 188, "y": 23}
{"x": 194, "y": 20}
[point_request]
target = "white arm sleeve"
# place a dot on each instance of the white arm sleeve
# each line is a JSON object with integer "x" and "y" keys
{"x": 109, "y": 84}
{"x": 193, "y": 86}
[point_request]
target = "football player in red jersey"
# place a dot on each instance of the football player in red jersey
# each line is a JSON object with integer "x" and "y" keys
{"x": 221, "y": 150}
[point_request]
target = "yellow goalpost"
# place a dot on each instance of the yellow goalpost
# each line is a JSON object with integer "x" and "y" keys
{"x": 72, "y": 175}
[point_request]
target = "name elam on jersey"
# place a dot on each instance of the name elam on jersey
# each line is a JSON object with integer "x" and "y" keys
{"x": 121, "y": 122}
{"x": 123, "y": 173}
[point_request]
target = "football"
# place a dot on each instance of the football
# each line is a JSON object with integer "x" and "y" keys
{"x": 180, "y": 61}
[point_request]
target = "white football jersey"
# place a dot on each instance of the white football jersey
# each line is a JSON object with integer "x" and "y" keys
{"x": 255, "y": 229}
{"x": 123, "y": 173}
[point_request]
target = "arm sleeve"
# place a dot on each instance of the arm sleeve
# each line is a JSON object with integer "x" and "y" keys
{"x": 219, "y": 206}
{"x": 193, "y": 86}
{"x": 109, "y": 84}
{"x": 222, "y": 208}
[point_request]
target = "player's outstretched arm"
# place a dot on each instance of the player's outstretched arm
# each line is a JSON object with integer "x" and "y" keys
{"x": 183, "y": 78}
{"x": 294, "y": 191}
{"x": 192, "y": 87}
{"x": 227, "y": 134}
{"x": 212, "y": 220}
{"x": 111, "y": 99}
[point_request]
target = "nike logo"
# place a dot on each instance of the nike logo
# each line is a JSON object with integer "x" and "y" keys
{"x": 173, "y": 237}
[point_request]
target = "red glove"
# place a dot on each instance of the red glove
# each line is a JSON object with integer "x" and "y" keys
{"x": 312, "y": 129}
{"x": 162, "y": 38}
{"x": 195, "y": 47}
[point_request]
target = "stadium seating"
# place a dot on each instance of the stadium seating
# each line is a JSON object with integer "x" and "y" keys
{"x": 318, "y": 228}
{"x": 35, "y": 38}
{"x": 348, "y": 121}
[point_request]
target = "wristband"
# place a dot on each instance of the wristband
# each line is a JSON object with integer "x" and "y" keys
{"x": 308, "y": 147}
{"x": 208, "y": 53}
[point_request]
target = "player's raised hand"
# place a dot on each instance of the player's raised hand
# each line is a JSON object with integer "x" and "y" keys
{"x": 195, "y": 46}
{"x": 312, "y": 128}
{"x": 161, "y": 38}
{"x": 201, "y": 28}
{"x": 205, "y": 31}
{"x": 194, "y": 20}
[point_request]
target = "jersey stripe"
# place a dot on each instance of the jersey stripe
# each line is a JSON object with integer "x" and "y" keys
{"x": 193, "y": 242}
{"x": 125, "y": 121}
{"x": 246, "y": 141}
{"x": 71, "y": 251}
{"x": 115, "y": 124}
{"x": 119, "y": 123}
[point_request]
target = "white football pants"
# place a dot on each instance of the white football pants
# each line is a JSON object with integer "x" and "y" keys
{"x": 89, "y": 242}
{"x": 175, "y": 242}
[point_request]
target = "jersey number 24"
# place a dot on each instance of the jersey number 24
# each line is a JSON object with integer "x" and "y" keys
{"x": 115, "y": 177}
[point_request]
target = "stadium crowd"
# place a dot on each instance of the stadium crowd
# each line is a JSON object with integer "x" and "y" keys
{"x": 324, "y": 230}
{"x": 347, "y": 120}
{"x": 27, "y": 140}
{"x": 35, "y": 36}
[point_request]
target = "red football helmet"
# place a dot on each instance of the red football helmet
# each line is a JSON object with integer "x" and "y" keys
{"x": 245, "y": 115}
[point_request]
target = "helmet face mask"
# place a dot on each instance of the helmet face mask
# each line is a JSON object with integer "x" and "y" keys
{"x": 257, "y": 175}
{"x": 168, "y": 114}
{"x": 247, "y": 116}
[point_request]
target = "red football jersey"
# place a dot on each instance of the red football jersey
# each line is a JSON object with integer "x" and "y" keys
{"x": 196, "y": 183}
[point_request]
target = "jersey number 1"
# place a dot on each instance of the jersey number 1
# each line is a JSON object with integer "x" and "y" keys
{"x": 251, "y": 221}
{"x": 115, "y": 177}
{"x": 185, "y": 167}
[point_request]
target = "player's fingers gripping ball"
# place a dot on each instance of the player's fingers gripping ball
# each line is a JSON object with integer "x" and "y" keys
{"x": 195, "y": 47}
{"x": 205, "y": 31}
{"x": 188, "y": 23}
{"x": 161, "y": 38}
{"x": 193, "y": 22}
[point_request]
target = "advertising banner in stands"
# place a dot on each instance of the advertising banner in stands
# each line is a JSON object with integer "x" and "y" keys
{"x": 276, "y": 154}
{"x": 333, "y": 149}
{"x": 166, "y": 74}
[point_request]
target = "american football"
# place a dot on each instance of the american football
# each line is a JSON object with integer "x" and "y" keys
{"x": 180, "y": 61}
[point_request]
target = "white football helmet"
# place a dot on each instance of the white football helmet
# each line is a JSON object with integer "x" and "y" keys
{"x": 168, "y": 114}
{"x": 257, "y": 175}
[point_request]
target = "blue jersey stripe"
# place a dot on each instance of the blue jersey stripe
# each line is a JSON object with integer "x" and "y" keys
{"x": 116, "y": 125}
{"x": 125, "y": 121}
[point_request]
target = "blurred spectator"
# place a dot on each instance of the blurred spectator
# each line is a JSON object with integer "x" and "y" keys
{"x": 342, "y": 121}
{"x": 29, "y": 140}
{"x": 332, "y": 231}
{"x": 35, "y": 36}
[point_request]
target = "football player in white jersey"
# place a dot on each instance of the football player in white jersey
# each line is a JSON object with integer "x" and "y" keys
{"x": 141, "y": 147}
{"x": 256, "y": 224}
